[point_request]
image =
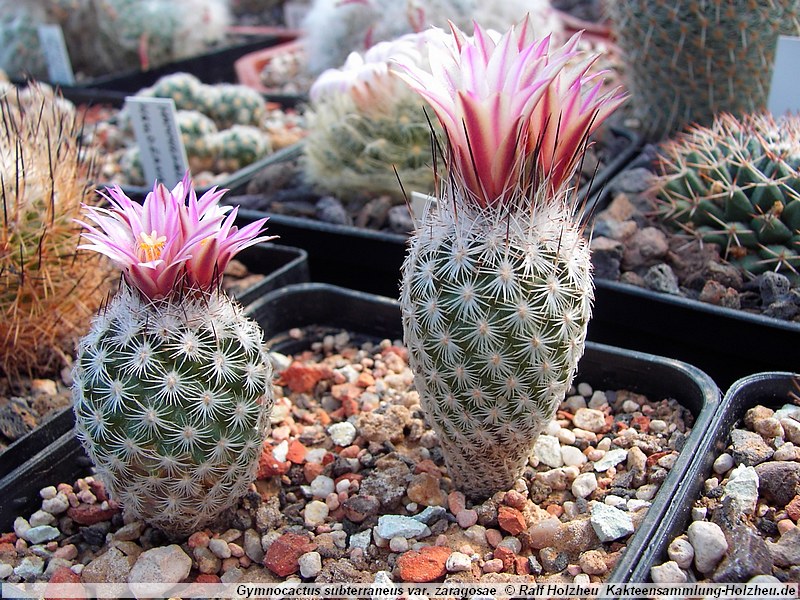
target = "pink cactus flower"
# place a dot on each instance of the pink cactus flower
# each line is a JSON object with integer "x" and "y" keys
{"x": 516, "y": 112}
{"x": 174, "y": 242}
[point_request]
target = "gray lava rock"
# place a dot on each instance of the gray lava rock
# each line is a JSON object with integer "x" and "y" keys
{"x": 747, "y": 556}
{"x": 786, "y": 552}
{"x": 661, "y": 278}
{"x": 331, "y": 210}
{"x": 779, "y": 480}
{"x": 772, "y": 286}
{"x": 749, "y": 448}
{"x": 606, "y": 257}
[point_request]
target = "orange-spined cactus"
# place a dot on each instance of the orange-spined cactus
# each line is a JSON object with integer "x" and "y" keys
{"x": 48, "y": 289}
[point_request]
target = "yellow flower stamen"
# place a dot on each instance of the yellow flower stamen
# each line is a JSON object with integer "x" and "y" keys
{"x": 150, "y": 246}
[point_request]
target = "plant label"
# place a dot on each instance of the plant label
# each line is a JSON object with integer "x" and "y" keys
{"x": 784, "y": 92}
{"x": 59, "y": 66}
{"x": 421, "y": 204}
{"x": 162, "y": 151}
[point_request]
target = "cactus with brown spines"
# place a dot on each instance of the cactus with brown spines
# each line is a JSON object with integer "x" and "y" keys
{"x": 737, "y": 184}
{"x": 687, "y": 61}
{"x": 49, "y": 290}
{"x": 496, "y": 288}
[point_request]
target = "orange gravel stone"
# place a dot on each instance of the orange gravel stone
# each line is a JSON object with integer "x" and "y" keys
{"x": 793, "y": 509}
{"x": 511, "y": 520}
{"x": 424, "y": 566}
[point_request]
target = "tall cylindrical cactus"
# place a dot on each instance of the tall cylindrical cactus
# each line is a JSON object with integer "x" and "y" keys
{"x": 496, "y": 288}
{"x": 687, "y": 61}
{"x": 172, "y": 385}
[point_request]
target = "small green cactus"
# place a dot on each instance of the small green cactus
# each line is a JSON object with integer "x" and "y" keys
{"x": 198, "y": 135}
{"x": 687, "y": 61}
{"x": 737, "y": 184}
{"x": 229, "y": 104}
{"x": 239, "y": 146}
{"x": 185, "y": 89}
{"x": 172, "y": 385}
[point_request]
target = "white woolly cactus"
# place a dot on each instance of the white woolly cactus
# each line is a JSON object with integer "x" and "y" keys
{"x": 172, "y": 389}
{"x": 367, "y": 128}
{"x": 496, "y": 288}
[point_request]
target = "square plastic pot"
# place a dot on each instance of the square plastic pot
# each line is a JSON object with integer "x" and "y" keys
{"x": 770, "y": 389}
{"x": 280, "y": 265}
{"x": 364, "y": 259}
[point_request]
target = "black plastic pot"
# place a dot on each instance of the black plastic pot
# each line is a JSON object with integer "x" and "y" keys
{"x": 770, "y": 389}
{"x": 280, "y": 265}
{"x": 364, "y": 259}
{"x": 319, "y": 309}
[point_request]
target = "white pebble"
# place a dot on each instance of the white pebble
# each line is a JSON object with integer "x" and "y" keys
{"x": 5, "y": 570}
{"x": 48, "y": 492}
{"x": 723, "y": 463}
{"x": 315, "y": 455}
{"x": 566, "y": 437}
{"x": 457, "y": 562}
{"x": 548, "y": 450}
{"x": 398, "y": 544}
{"x": 21, "y": 527}
{"x": 41, "y": 517}
{"x": 615, "y": 501}
{"x": 310, "y": 564}
{"x": 681, "y": 551}
{"x": 321, "y": 486}
{"x": 658, "y": 426}
{"x": 552, "y": 428}
{"x": 56, "y": 505}
{"x": 280, "y": 451}
{"x": 629, "y": 406}
{"x": 669, "y": 572}
{"x": 219, "y": 548}
{"x": 342, "y": 433}
{"x": 699, "y": 513}
{"x": 512, "y": 543}
{"x": 598, "y": 400}
{"x": 635, "y": 504}
{"x": 584, "y": 389}
{"x": 584, "y": 485}
{"x": 647, "y": 491}
{"x": 709, "y": 543}
{"x": 572, "y": 456}
{"x": 315, "y": 513}
{"x": 589, "y": 419}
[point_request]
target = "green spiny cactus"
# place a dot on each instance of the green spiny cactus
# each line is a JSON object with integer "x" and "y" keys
{"x": 688, "y": 60}
{"x": 171, "y": 402}
{"x": 198, "y": 135}
{"x": 496, "y": 288}
{"x": 48, "y": 289}
{"x": 366, "y": 128}
{"x": 230, "y": 104}
{"x": 737, "y": 184}
{"x": 185, "y": 89}
{"x": 240, "y": 146}
{"x": 172, "y": 386}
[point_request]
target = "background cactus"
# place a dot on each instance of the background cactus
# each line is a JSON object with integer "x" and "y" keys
{"x": 48, "y": 289}
{"x": 737, "y": 184}
{"x": 496, "y": 288}
{"x": 364, "y": 123}
{"x": 335, "y": 28}
{"x": 687, "y": 61}
{"x": 106, "y": 36}
{"x": 172, "y": 389}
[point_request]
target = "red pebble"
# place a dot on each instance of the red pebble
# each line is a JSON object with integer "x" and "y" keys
{"x": 283, "y": 555}
{"x": 269, "y": 467}
{"x": 312, "y": 470}
{"x": 522, "y": 565}
{"x": 296, "y": 453}
{"x": 427, "y": 466}
{"x": 506, "y": 555}
{"x": 424, "y": 566}
{"x": 793, "y": 509}
{"x": 8, "y": 538}
{"x": 207, "y": 578}
{"x": 302, "y": 378}
{"x": 89, "y": 514}
{"x": 511, "y": 520}
{"x": 60, "y": 576}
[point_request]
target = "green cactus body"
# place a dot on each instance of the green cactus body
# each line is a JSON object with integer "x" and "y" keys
{"x": 184, "y": 88}
{"x": 687, "y": 61}
{"x": 495, "y": 313}
{"x": 737, "y": 184}
{"x": 350, "y": 151}
{"x": 239, "y": 146}
{"x": 172, "y": 401}
{"x": 197, "y": 133}
{"x": 229, "y": 104}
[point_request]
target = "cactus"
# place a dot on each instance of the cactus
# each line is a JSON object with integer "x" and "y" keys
{"x": 198, "y": 136}
{"x": 737, "y": 184}
{"x": 185, "y": 89}
{"x": 239, "y": 146}
{"x": 48, "y": 290}
{"x": 336, "y": 28}
{"x": 496, "y": 287}
{"x": 687, "y": 61}
{"x": 230, "y": 104}
{"x": 365, "y": 124}
{"x": 172, "y": 389}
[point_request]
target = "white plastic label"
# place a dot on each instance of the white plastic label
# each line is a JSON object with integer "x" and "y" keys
{"x": 784, "y": 92}
{"x": 420, "y": 204}
{"x": 159, "y": 139}
{"x": 59, "y": 66}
